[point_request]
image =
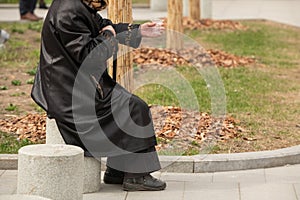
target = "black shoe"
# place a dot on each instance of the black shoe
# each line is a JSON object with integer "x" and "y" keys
{"x": 144, "y": 183}
{"x": 113, "y": 176}
{"x": 43, "y": 6}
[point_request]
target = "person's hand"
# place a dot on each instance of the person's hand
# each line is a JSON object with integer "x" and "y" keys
{"x": 151, "y": 29}
{"x": 109, "y": 28}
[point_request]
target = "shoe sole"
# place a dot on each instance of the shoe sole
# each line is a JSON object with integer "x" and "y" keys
{"x": 112, "y": 180}
{"x": 136, "y": 187}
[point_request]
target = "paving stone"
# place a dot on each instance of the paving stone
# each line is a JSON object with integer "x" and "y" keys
{"x": 271, "y": 191}
{"x": 107, "y": 192}
{"x": 174, "y": 191}
{"x": 297, "y": 190}
{"x": 287, "y": 174}
{"x": 186, "y": 177}
{"x": 1, "y": 172}
{"x": 8, "y": 182}
{"x": 215, "y": 191}
{"x": 249, "y": 176}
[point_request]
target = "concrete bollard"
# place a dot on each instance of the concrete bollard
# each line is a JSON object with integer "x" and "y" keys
{"x": 92, "y": 166}
{"x": 51, "y": 171}
{"x": 21, "y": 197}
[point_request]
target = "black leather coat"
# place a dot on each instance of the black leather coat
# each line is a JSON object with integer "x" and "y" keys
{"x": 73, "y": 59}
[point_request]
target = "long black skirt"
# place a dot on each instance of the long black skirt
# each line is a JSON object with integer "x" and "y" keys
{"x": 117, "y": 126}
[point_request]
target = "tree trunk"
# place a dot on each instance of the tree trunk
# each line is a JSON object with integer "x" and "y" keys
{"x": 195, "y": 12}
{"x": 121, "y": 11}
{"x": 175, "y": 25}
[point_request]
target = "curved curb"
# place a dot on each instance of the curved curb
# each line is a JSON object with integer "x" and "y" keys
{"x": 231, "y": 162}
{"x": 206, "y": 163}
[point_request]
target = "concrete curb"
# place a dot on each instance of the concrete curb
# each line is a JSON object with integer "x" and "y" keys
{"x": 206, "y": 163}
{"x": 8, "y": 161}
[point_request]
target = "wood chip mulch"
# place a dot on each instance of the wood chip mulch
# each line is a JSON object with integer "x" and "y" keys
{"x": 212, "y": 24}
{"x": 31, "y": 127}
{"x": 189, "y": 56}
{"x": 191, "y": 127}
{"x": 170, "y": 123}
{"x": 203, "y": 24}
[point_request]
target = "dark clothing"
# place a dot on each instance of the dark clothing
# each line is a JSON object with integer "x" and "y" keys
{"x": 136, "y": 164}
{"x": 105, "y": 122}
{"x": 26, "y": 6}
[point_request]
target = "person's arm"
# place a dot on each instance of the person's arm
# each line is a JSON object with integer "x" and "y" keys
{"x": 78, "y": 40}
{"x": 131, "y": 34}
{"x": 128, "y": 34}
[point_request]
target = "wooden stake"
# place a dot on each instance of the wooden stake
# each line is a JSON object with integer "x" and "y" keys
{"x": 175, "y": 24}
{"x": 195, "y": 12}
{"x": 121, "y": 11}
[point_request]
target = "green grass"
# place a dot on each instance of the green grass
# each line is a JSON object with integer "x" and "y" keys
{"x": 9, "y": 144}
{"x": 16, "y": 82}
{"x": 20, "y": 51}
{"x": 32, "y": 72}
{"x": 11, "y": 107}
{"x": 263, "y": 96}
{"x": 247, "y": 88}
{"x": 3, "y": 87}
{"x": 157, "y": 95}
{"x": 243, "y": 87}
{"x": 269, "y": 44}
{"x": 30, "y": 81}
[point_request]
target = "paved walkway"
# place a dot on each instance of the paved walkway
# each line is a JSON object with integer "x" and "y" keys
{"x": 284, "y": 11}
{"x": 282, "y": 183}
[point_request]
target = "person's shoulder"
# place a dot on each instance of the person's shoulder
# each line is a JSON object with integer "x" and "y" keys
{"x": 67, "y": 6}
{"x": 61, "y": 10}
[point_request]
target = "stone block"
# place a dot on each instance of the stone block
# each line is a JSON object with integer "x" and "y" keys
{"x": 92, "y": 167}
{"x": 53, "y": 135}
{"x": 92, "y": 175}
{"x": 51, "y": 171}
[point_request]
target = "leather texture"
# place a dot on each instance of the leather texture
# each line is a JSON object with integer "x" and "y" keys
{"x": 73, "y": 48}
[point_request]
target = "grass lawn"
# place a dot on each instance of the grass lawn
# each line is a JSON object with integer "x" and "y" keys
{"x": 264, "y": 97}
{"x": 10, "y": 144}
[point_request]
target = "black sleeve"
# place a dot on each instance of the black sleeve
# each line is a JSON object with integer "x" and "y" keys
{"x": 128, "y": 34}
{"x": 79, "y": 42}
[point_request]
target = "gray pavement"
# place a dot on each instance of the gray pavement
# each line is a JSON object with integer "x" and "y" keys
{"x": 281, "y": 183}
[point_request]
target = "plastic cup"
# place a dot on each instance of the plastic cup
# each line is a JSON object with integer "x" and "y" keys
{"x": 157, "y": 28}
